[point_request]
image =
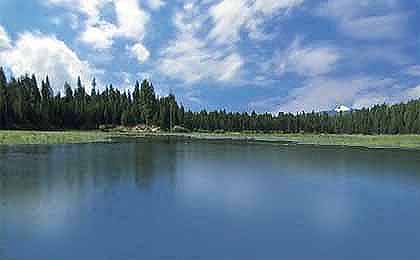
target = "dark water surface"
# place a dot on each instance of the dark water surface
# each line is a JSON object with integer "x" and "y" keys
{"x": 161, "y": 199}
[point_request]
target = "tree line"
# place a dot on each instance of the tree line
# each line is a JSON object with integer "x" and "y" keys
{"x": 26, "y": 104}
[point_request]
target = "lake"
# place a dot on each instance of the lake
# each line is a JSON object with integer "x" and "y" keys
{"x": 211, "y": 200}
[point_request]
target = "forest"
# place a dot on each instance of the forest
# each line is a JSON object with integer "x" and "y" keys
{"x": 26, "y": 104}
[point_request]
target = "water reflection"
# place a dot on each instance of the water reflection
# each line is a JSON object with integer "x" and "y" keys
{"x": 44, "y": 186}
{"x": 206, "y": 200}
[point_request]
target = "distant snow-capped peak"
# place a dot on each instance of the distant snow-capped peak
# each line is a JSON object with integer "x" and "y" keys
{"x": 342, "y": 109}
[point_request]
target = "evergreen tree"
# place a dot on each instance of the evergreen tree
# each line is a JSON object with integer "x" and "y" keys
{"x": 3, "y": 99}
{"x": 46, "y": 103}
{"x": 24, "y": 105}
{"x": 147, "y": 101}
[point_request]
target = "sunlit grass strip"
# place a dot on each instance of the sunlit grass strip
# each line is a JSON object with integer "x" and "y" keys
{"x": 71, "y": 137}
{"x": 40, "y": 137}
{"x": 375, "y": 141}
{"x": 369, "y": 141}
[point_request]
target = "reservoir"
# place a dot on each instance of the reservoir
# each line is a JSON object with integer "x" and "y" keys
{"x": 211, "y": 200}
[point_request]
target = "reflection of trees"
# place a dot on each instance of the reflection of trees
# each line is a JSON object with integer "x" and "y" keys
{"x": 154, "y": 158}
{"x": 402, "y": 165}
{"x": 19, "y": 173}
{"x": 355, "y": 161}
{"x": 30, "y": 173}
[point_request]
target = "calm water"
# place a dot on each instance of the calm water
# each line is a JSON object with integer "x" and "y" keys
{"x": 160, "y": 199}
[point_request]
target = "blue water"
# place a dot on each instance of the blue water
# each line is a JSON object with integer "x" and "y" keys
{"x": 177, "y": 199}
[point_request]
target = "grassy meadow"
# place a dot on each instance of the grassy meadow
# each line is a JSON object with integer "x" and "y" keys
{"x": 73, "y": 137}
{"x": 43, "y": 137}
{"x": 369, "y": 141}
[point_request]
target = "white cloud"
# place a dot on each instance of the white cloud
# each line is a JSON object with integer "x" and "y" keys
{"x": 413, "y": 71}
{"x": 369, "y": 19}
{"x": 155, "y": 4}
{"x": 413, "y": 93}
{"x": 370, "y": 100}
{"x": 323, "y": 94}
{"x": 230, "y": 17}
{"x": 201, "y": 53}
{"x": 90, "y": 8}
{"x": 255, "y": 32}
{"x": 374, "y": 27}
{"x": 306, "y": 61}
{"x": 56, "y": 20}
{"x": 46, "y": 55}
{"x": 131, "y": 24}
{"x": 131, "y": 19}
{"x": 230, "y": 65}
{"x": 99, "y": 33}
{"x": 271, "y": 6}
{"x": 70, "y": 19}
{"x": 189, "y": 59}
{"x": 4, "y": 39}
{"x": 74, "y": 21}
{"x": 140, "y": 52}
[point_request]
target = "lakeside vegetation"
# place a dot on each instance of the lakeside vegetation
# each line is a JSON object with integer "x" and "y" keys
{"x": 27, "y": 105}
{"x": 59, "y": 137}
{"x": 73, "y": 137}
{"x": 367, "y": 141}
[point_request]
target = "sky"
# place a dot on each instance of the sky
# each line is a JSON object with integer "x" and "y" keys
{"x": 238, "y": 55}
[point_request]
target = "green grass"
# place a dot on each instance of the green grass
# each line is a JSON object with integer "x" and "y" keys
{"x": 376, "y": 141}
{"x": 369, "y": 141}
{"x": 41, "y": 137}
{"x": 71, "y": 137}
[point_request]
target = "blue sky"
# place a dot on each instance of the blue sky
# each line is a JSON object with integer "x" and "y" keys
{"x": 240, "y": 55}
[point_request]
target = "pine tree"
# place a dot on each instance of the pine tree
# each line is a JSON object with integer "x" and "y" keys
{"x": 3, "y": 99}
{"x": 46, "y": 102}
{"x": 24, "y": 105}
{"x": 147, "y": 101}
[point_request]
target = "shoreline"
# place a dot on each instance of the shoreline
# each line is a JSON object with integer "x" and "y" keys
{"x": 402, "y": 142}
{"x": 29, "y": 137}
{"x": 18, "y": 137}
